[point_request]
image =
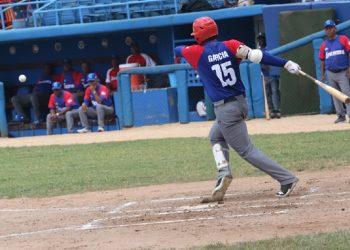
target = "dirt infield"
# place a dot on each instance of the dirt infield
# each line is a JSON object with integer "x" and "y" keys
{"x": 170, "y": 216}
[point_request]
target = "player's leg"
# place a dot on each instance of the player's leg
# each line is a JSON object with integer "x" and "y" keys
{"x": 37, "y": 99}
{"x": 49, "y": 124}
{"x": 268, "y": 91}
{"x": 83, "y": 115}
{"x": 221, "y": 156}
{"x": 338, "y": 105}
{"x": 233, "y": 127}
{"x": 70, "y": 117}
{"x": 344, "y": 86}
{"x": 19, "y": 102}
{"x": 276, "y": 96}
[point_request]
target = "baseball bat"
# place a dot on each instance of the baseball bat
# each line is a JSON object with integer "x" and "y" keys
{"x": 267, "y": 111}
{"x": 332, "y": 91}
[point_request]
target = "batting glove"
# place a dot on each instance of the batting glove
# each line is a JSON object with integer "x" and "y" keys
{"x": 292, "y": 67}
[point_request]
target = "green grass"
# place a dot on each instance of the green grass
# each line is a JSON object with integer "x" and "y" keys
{"x": 57, "y": 170}
{"x": 324, "y": 241}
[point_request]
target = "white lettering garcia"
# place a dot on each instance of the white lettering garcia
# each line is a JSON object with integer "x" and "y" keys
{"x": 217, "y": 57}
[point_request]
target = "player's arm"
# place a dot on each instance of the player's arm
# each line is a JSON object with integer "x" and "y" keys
{"x": 258, "y": 56}
{"x": 344, "y": 40}
{"x": 178, "y": 54}
{"x": 321, "y": 56}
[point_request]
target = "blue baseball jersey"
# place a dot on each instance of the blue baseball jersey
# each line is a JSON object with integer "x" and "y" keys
{"x": 335, "y": 53}
{"x": 217, "y": 66}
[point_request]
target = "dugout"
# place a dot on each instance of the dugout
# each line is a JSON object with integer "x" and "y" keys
{"x": 25, "y": 50}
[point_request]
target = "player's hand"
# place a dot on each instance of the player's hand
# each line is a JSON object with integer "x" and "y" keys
{"x": 292, "y": 67}
{"x": 84, "y": 107}
{"x": 322, "y": 78}
{"x": 53, "y": 118}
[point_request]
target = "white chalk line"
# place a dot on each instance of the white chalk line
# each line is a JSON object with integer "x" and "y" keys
{"x": 118, "y": 209}
{"x": 188, "y": 220}
{"x": 53, "y": 209}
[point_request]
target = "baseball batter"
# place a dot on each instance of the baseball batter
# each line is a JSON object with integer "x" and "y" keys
{"x": 217, "y": 63}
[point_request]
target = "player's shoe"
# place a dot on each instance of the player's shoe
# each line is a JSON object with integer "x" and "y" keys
{"x": 219, "y": 190}
{"x": 100, "y": 129}
{"x": 84, "y": 130}
{"x": 341, "y": 118}
{"x": 286, "y": 189}
{"x": 19, "y": 118}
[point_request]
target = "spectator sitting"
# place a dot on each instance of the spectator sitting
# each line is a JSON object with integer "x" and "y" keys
{"x": 38, "y": 97}
{"x": 195, "y": 6}
{"x": 62, "y": 107}
{"x": 71, "y": 80}
{"x": 86, "y": 69}
{"x": 230, "y": 3}
{"x": 97, "y": 103}
{"x": 112, "y": 74}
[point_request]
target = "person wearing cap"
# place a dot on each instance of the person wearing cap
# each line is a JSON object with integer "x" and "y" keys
{"x": 272, "y": 83}
{"x": 71, "y": 80}
{"x": 334, "y": 55}
{"x": 97, "y": 103}
{"x": 62, "y": 107}
{"x": 112, "y": 74}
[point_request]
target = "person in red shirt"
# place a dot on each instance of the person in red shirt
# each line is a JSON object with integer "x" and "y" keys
{"x": 71, "y": 80}
{"x": 112, "y": 74}
{"x": 97, "y": 103}
{"x": 62, "y": 107}
{"x": 136, "y": 56}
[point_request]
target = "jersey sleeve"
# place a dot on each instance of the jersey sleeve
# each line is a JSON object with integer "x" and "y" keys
{"x": 69, "y": 100}
{"x": 87, "y": 96}
{"x": 192, "y": 54}
{"x": 52, "y": 102}
{"x": 233, "y": 45}
{"x": 346, "y": 43}
{"x": 104, "y": 93}
{"x": 108, "y": 78}
{"x": 321, "y": 54}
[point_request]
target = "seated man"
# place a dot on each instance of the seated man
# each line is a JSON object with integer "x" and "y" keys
{"x": 39, "y": 96}
{"x": 62, "y": 107}
{"x": 97, "y": 103}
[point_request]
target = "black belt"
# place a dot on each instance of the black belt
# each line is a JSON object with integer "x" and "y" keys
{"x": 231, "y": 98}
{"x": 337, "y": 70}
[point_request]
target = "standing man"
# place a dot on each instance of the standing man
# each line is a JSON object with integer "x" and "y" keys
{"x": 272, "y": 83}
{"x": 112, "y": 74}
{"x": 97, "y": 103}
{"x": 62, "y": 107}
{"x": 335, "y": 56}
{"x": 71, "y": 80}
{"x": 218, "y": 66}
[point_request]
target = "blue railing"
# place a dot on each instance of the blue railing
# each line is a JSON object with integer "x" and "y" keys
{"x": 55, "y": 13}
{"x": 61, "y": 12}
{"x": 30, "y": 6}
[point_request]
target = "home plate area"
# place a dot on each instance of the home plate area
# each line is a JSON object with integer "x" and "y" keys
{"x": 160, "y": 217}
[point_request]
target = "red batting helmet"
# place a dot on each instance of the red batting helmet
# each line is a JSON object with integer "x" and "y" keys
{"x": 204, "y": 28}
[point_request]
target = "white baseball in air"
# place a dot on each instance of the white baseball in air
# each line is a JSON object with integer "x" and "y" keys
{"x": 22, "y": 78}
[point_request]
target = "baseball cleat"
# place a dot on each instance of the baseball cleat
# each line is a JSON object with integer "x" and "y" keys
{"x": 219, "y": 191}
{"x": 286, "y": 189}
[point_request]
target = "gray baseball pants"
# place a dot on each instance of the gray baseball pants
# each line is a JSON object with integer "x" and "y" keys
{"x": 230, "y": 129}
{"x": 69, "y": 116}
{"x": 34, "y": 100}
{"x": 340, "y": 82}
{"x": 100, "y": 112}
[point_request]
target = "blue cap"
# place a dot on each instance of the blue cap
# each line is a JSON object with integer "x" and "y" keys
{"x": 56, "y": 85}
{"x": 91, "y": 77}
{"x": 329, "y": 22}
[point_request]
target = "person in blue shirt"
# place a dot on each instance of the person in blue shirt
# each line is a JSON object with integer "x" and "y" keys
{"x": 272, "y": 83}
{"x": 217, "y": 63}
{"x": 36, "y": 99}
